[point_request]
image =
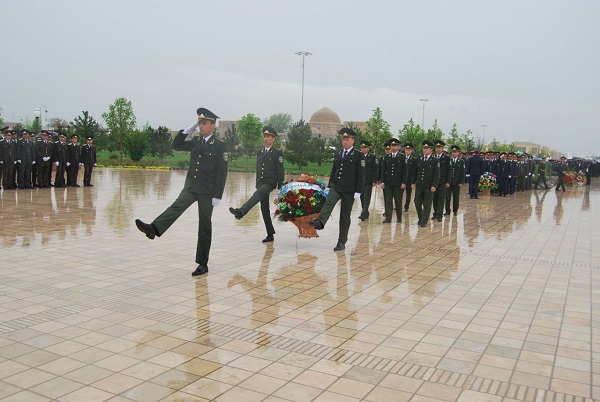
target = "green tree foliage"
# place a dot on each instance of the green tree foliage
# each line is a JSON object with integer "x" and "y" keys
{"x": 454, "y": 137}
{"x": 412, "y": 133}
{"x": 85, "y": 126}
{"x": 232, "y": 140}
{"x": 250, "y": 132}
{"x": 281, "y": 122}
{"x": 435, "y": 133}
{"x": 297, "y": 152}
{"x": 137, "y": 143}
{"x": 121, "y": 122}
{"x": 104, "y": 141}
{"x": 161, "y": 142}
{"x": 320, "y": 152}
{"x": 467, "y": 141}
{"x": 377, "y": 131}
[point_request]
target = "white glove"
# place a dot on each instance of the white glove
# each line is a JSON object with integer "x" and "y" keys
{"x": 68, "y": 164}
{"x": 509, "y": 176}
{"x": 18, "y": 160}
{"x": 57, "y": 163}
{"x": 192, "y": 128}
{"x": 80, "y": 164}
{"x": 357, "y": 196}
{"x": 46, "y": 158}
{"x": 215, "y": 202}
{"x": 33, "y": 163}
{"x": 94, "y": 164}
{"x": 468, "y": 175}
{"x": 2, "y": 162}
{"x": 327, "y": 191}
{"x": 15, "y": 162}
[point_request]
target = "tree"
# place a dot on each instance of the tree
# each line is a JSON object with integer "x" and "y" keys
{"x": 121, "y": 121}
{"x": 296, "y": 150}
{"x": 494, "y": 146}
{"x": 320, "y": 152}
{"x": 412, "y": 133}
{"x": 232, "y": 140}
{"x": 454, "y": 137}
{"x": 281, "y": 122}
{"x": 377, "y": 131}
{"x": 137, "y": 143}
{"x": 250, "y": 132}
{"x": 85, "y": 125}
{"x": 468, "y": 141}
{"x": 435, "y": 133}
{"x": 57, "y": 123}
{"x": 161, "y": 142}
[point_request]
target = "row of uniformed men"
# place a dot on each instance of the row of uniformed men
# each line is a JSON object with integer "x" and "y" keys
{"x": 27, "y": 162}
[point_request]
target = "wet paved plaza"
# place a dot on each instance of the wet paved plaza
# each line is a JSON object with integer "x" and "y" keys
{"x": 495, "y": 304}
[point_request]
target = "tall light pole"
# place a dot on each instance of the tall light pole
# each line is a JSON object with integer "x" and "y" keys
{"x": 303, "y": 54}
{"x": 483, "y": 132}
{"x": 46, "y": 109}
{"x": 423, "y": 119}
{"x": 37, "y": 114}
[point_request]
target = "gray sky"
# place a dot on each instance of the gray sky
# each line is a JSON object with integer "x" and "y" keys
{"x": 528, "y": 70}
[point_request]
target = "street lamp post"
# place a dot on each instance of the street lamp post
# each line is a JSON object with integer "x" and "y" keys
{"x": 38, "y": 119}
{"x": 46, "y": 110}
{"x": 423, "y": 118}
{"x": 483, "y": 132}
{"x": 303, "y": 54}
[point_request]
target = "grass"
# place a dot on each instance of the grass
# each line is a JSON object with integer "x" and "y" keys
{"x": 180, "y": 160}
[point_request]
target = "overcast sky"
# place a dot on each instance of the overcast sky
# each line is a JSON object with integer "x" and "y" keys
{"x": 527, "y": 70}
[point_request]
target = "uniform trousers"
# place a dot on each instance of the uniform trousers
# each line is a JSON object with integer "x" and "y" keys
{"x": 87, "y": 174}
{"x": 423, "y": 200}
{"x": 541, "y": 179}
{"x": 25, "y": 174}
{"x": 346, "y": 208}
{"x": 452, "y": 192}
{"x": 408, "y": 194}
{"x": 393, "y": 196}
{"x": 365, "y": 200}
{"x": 474, "y": 185}
{"x": 261, "y": 195}
{"x": 205, "y": 210}
{"x": 439, "y": 200}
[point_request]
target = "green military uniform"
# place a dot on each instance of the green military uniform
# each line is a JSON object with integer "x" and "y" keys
{"x": 428, "y": 176}
{"x": 394, "y": 174}
{"x": 439, "y": 197}
{"x": 204, "y": 184}
{"x": 269, "y": 176}
{"x": 346, "y": 181}
{"x": 456, "y": 178}
{"x": 371, "y": 176}
{"x": 411, "y": 164}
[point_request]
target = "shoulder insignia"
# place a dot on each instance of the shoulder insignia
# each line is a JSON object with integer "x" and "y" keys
{"x": 225, "y": 155}
{"x": 281, "y": 159}
{"x": 212, "y": 142}
{"x": 362, "y": 162}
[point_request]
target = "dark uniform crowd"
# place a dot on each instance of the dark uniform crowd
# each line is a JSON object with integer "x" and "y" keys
{"x": 28, "y": 160}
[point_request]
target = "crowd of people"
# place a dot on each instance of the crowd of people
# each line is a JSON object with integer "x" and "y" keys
{"x": 28, "y": 160}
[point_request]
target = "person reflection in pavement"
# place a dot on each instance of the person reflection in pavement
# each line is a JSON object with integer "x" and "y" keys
{"x": 558, "y": 210}
{"x": 539, "y": 204}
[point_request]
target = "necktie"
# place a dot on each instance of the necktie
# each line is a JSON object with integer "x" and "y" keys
{"x": 345, "y": 153}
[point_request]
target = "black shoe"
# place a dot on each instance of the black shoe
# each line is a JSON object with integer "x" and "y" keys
{"x": 200, "y": 270}
{"x": 236, "y": 212}
{"x": 268, "y": 239}
{"x": 405, "y": 209}
{"x": 90, "y": 185}
{"x": 76, "y": 185}
{"x": 423, "y": 224}
{"x": 339, "y": 246}
{"x": 447, "y": 213}
{"x": 387, "y": 221}
{"x": 146, "y": 228}
{"x": 455, "y": 213}
{"x": 439, "y": 219}
{"x": 316, "y": 224}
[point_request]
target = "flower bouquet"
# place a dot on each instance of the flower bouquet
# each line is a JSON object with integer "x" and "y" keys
{"x": 299, "y": 201}
{"x": 487, "y": 182}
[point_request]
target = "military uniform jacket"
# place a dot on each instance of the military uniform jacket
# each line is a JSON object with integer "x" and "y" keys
{"x": 561, "y": 169}
{"x": 348, "y": 174}
{"x": 428, "y": 172}
{"x": 8, "y": 151}
{"x": 502, "y": 168}
{"x": 371, "y": 168}
{"x": 444, "y": 169}
{"x": 456, "y": 174}
{"x": 74, "y": 154}
{"x": 26, "y": 151}
{"x": 88, "y": 154}
{"x": 475, "y": 165}
{"x": 394, "y": 171}
{"x": 269, "y": 167}
{"x": 411, "y": 165}
{"x": 208, "y": 164}
{"x": 43, "y": 150}
{"x": 60, "y": 153}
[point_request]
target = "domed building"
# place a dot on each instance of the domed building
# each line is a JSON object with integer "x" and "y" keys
{"x": 325, "y": 122}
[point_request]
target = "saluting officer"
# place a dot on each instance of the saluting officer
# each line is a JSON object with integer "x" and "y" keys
{"x": 411, "y": 164}
{"x": 394, "y": 175}
{"x": 439, "y": 196}
{"x": 269, "y": 176}
{"x": 456, "y": 178}
{"x": 345, "y": 183}
{"x": 204, "y": 184}
{"x": 428, "y": 177}
{"x": 371, "y": 178}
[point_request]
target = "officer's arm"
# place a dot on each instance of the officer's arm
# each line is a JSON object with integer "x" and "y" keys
{"x": 280, "y": 170}
{"x": 222, "y": 157}
{"x": 360, "y": 173}
{"x": 180, "y": 144}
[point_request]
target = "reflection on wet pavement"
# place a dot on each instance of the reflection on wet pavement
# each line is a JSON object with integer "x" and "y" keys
{"x": 494, "y": 303}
